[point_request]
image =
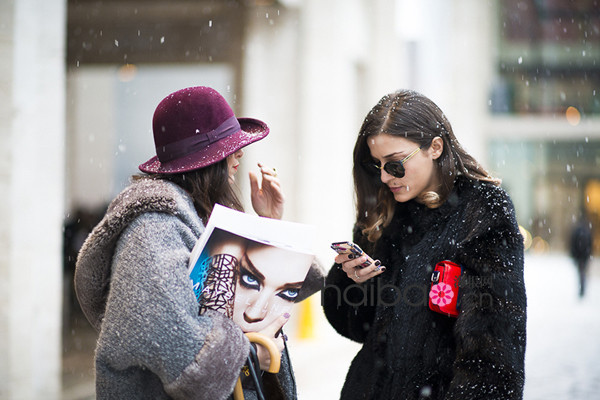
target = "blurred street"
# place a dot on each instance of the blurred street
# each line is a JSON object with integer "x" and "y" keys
{"x": 563, "y": 338}
{"x": 563, "y": 345}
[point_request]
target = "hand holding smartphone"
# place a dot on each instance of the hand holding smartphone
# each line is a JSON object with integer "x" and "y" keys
{"x": 354, "y": 251}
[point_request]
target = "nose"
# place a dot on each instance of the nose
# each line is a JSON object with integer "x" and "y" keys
{"x": 257, "y": 310}
{"x": 385, "y": 176}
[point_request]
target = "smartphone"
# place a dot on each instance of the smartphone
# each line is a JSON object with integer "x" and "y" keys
{"x": 352, "y": 248}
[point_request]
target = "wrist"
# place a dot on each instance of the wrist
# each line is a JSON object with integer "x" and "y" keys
{"x": 270, "y": 215}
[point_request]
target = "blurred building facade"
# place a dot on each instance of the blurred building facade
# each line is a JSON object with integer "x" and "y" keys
{"x": 517, "y": 79}
{"x": 32, "y": 181}
{"x": 545, "y": 115}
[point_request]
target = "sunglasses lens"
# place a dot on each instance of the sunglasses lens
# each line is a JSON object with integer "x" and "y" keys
{"x": 371, "y": 168}
{"x": 395, "y": 169}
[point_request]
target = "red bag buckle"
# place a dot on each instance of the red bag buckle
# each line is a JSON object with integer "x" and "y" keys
{"x": 444, "y": 295}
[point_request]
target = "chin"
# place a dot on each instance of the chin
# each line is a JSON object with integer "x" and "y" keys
{"x": 257, "y": 328}
{"x": 403, "y": 197}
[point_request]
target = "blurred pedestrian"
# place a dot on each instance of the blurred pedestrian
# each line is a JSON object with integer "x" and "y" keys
{"x": 581, "y": 250}
{"x": 132, "y": 272}
{"x": 421, "y": 199}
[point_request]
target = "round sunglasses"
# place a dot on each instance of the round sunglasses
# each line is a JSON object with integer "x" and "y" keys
{"x": 394, "y": 168}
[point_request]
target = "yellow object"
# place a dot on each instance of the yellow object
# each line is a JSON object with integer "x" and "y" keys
{"x": 238, "y": 392}
{"x": 264, "y": 341}
{"x": 592, "y": 193}
{"x": 306, "y": 321}
{"x": 259, "y": 338}
{"x": 573, "y": 116}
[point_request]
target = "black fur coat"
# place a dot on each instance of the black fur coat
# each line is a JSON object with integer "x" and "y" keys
{"x": 411, "y": 352}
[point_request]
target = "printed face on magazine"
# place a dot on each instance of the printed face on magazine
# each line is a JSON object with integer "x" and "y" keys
{"x": 269, "y": 281}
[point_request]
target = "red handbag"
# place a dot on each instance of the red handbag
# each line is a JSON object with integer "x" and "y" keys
{"x": 444, "y": 295}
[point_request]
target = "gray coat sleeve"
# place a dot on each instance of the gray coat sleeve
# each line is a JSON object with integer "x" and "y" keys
{"x": 151, "y": 319}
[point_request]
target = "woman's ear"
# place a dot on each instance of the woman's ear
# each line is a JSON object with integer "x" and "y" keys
{"x": 436, "y": 148}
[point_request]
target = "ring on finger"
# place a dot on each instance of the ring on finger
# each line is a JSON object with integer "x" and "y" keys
{"x": 356, "y": 275}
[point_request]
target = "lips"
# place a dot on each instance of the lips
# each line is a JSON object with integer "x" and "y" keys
{"x": 396, "y": 189}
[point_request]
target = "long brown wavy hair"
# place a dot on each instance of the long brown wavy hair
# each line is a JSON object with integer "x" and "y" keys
{"x": 206, "y": 186}
{"x": 412, "y": 116}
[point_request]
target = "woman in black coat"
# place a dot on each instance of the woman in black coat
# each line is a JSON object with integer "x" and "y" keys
{"x": 422, "y": 199}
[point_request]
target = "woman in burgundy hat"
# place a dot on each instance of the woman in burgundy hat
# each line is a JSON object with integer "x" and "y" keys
{"x": 131, "y": 277}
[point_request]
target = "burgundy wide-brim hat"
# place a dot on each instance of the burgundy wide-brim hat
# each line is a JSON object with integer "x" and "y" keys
{"x": 194, "y": 128}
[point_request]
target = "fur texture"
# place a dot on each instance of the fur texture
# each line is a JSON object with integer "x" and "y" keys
{"x": 132, "y": 283}
{"x": 411, "y": 352}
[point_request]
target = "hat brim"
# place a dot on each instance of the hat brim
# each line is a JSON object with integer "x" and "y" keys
{"x": 252, "y": 130}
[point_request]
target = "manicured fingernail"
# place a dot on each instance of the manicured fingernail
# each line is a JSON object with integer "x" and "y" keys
{"x": 377, "y": 262}
{"x": 286, "y": 315}
{"x": 351, "y": 256}
{"x": 382, "y": 269}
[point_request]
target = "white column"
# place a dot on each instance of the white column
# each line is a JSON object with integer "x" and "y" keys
{"x": 451, "y": 61}
{"x": 386, "y": 55}
{"x": 472, "y": 67}
{"x": 300, "y": 76}
{"x": 333, "y": 73}
{"x": 270, "y": 87}
{"x": 32, "y": 80}
{"x": 312, "y": 70}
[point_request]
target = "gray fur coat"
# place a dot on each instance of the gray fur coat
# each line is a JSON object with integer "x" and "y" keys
{"x": 132, "y": 283}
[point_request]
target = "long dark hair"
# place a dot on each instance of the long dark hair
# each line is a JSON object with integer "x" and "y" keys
{"x": 412, "y": 116}
{"x": 206, "y": 186}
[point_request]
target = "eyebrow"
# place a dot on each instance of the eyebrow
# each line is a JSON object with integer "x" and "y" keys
{"x": 252, "y": 268}
{"x": 397, "y": 153}
{"x": 294, "y": 285}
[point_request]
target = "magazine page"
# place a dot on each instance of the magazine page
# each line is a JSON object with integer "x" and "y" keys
{"x": 250, "y": 268}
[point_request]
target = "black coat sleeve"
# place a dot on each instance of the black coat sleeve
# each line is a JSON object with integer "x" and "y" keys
{"x": 347, "y": 304}
{"x": 490, "y": 331}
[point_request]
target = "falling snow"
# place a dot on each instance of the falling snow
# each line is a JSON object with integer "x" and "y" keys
{"x": 563, "y": 339}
